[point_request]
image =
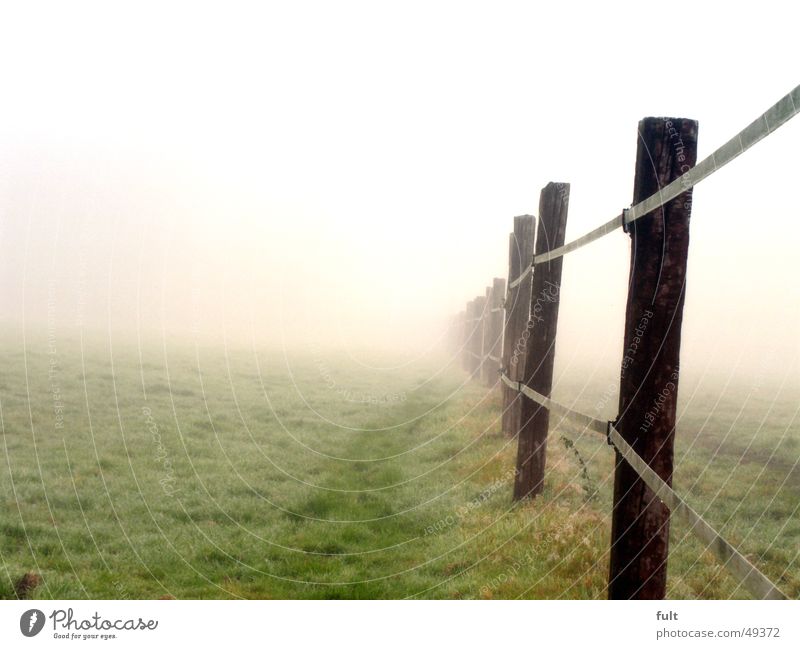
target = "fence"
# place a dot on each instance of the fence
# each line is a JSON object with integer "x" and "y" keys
{"x": 511, "y": 342}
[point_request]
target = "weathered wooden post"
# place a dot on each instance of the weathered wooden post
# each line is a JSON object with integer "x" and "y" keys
{"x": 487, "y": 337}
{"x": 541, "y": 343}
{"x": 457, "y": 333}
{"x": 479, "y": 306}
{"x": 667, "y": 148}
{"x": 520, "y": 255}
{"x": 494, "y": 352}
{"x": 466, "y": 345}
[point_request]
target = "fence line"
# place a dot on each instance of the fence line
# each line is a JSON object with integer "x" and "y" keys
{"x": 677, "y": 181}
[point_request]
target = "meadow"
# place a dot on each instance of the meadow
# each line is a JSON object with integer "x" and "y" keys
{"x": 168, "y": 469}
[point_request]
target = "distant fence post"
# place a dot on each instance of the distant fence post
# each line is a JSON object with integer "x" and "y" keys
{"x": 479, "y": 305}
{"x": 541, "y": 344}
{"x": 495, "y": 309}
{"x": 487, "y": 335}
{"x": 667, "y": 148}
{"x": 466, "y": 344}
{"x": 520, "y": 255}
{"x": 457, "y": 335}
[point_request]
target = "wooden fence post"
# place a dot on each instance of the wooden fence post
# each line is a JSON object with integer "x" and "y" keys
{"x": 466, "y": 344}
{"x": 520, "y": 254}
{"x": 666, "y": 149}
{"x": 479, "y": 306}
{"x": 457, "y": 335}
{"x": 541, "y": 343}
{"x": 487, "y": 337}
{"x": 495, "y": 331}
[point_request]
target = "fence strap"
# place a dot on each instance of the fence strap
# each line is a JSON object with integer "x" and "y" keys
{"x": 522, "y": 276}
{"x": 756, "y": 582}
{"x": 775, "y": 116}
{"x": 576, "y": 417}
{"x": 587, "y": 238}
{"x": 768, "y": 122}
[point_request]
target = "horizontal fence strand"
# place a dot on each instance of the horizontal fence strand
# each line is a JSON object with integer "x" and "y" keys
{"x": 753, "y": 133}
{"x": 767, "y": 123}
{"x": 523, "y": 275}
{"x": 579, "y": 418}
{"x": 587, "y": 238}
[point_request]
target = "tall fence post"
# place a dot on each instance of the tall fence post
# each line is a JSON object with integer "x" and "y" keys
{"x": 541, "y": 342}
{"x": 520, "y": 255}
{"x": 667, "y": 148}
{"x": 479, "y": 306}
{"x": 495, "y": 331}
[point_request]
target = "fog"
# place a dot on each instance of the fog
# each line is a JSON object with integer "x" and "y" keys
{"x": 345, "y": 174}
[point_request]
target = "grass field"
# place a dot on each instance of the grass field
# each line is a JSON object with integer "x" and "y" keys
{"x": 198, "y": 472}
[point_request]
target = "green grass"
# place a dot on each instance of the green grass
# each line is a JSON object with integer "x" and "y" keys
{"x": 205, "y": 473}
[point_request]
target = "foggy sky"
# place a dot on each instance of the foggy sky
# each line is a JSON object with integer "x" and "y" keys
{"x": 347, "y": 173}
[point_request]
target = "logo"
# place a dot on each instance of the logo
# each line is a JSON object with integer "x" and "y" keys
{"x": 31, "y": 622}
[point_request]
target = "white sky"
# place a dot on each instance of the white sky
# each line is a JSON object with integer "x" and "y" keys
{"x": 261, "y": 170}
